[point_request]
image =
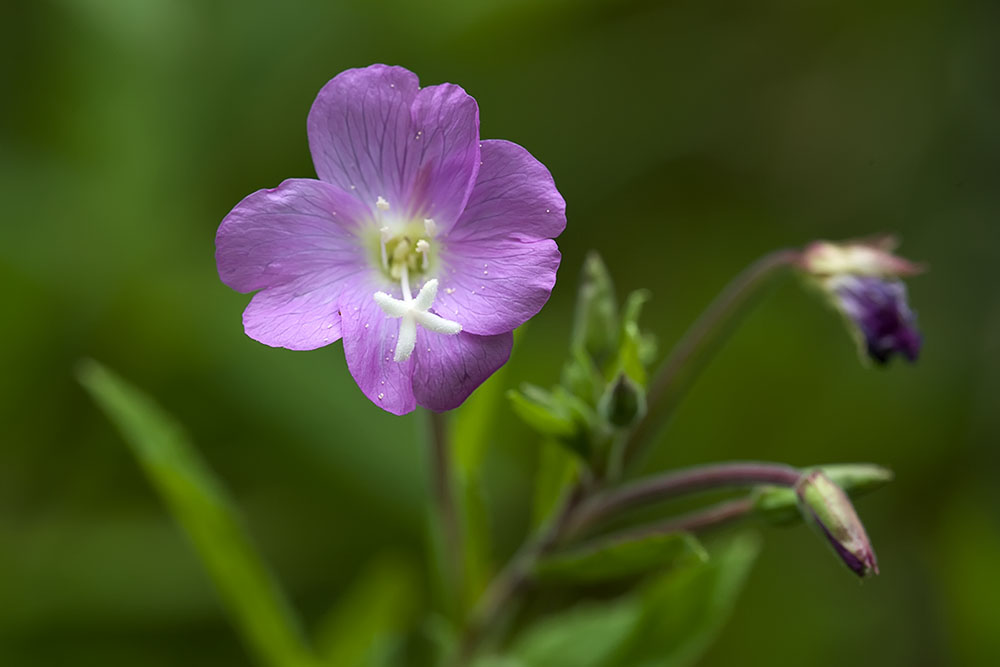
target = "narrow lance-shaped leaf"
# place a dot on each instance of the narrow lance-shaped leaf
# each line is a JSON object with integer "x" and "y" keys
{"x": 199, "y": 504}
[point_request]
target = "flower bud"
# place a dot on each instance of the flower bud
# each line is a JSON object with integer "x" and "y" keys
{"x": 624, "y": 403}
{"x": 861, "y": 280}
{"x": 825, "y": 505}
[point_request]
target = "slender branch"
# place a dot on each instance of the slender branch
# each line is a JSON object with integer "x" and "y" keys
{"x": 444, "y": 501}
{"x": 693, "y": 351}
{"x": 679, "y": 483}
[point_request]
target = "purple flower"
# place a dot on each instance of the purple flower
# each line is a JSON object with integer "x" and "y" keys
{"x": 879, "y": 312}
{"x": 420, "y": 246}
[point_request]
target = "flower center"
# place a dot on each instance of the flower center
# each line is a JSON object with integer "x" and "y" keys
{"x": 405, "y": 251}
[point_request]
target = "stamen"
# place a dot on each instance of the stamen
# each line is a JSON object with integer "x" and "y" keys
{"x": 381, "y": 204}
{"x": 430, "y": 227}
{"x": 423, "y": 247}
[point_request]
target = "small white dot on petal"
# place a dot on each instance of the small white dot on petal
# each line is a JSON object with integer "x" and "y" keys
{"x": 486, "y": 273}
{"x": 381, "y": 396}
{"x": 449, "y": 290}
{"x": 366, "y": 326}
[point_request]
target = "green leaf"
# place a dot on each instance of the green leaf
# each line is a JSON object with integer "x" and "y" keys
{"x": 582, "y": 377}
{"x": 607, "y": 560}
{"x": 370, "y": 618}
{"x": 595, "y": 326}
{"x": 556, "y": 414}
{"x": 585, "y": 636}
{"x": 635, "y": 349}
{"x": 557, "y": 470}
{"x": 683, "y": 610}
{"x": 779, "y": 505}
{"x": 201, "y": 507}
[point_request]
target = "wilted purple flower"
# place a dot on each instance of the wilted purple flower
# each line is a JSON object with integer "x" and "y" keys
{"x": 879, "y": 311}
{"x": 861, "y": 280}
{"x": 409, "y": 200}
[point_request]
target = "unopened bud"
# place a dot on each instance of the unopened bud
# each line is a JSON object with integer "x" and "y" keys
{"x": 825, "y": 505}
{"x": 624, "y": 403}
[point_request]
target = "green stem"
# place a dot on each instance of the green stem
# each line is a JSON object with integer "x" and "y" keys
{"x": 695, "y": 348}
{"x": 445, "y": 508}
{"x": 708, "y": 517}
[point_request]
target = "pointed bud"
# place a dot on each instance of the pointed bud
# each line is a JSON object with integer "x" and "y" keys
{"x": 827, "y": 507}
{"x": 624, "y": 403}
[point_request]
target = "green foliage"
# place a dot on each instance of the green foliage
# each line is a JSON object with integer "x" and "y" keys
{"x": 683, "y": 610}
{"x": 668, "y": 622}
{"x": 602, "y": 389}
{"x": 779, "y": 505}
{"x": 585, "y": 636}
{"x": 607, "y": 560}
{"x": 367, "y": 624}
{"x": 557, "y": 469}
{"x": 201, "y": 507}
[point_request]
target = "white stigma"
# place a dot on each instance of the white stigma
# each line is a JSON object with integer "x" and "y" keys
{"x": 381, "y": 204}
{"x": 414, "y": 311}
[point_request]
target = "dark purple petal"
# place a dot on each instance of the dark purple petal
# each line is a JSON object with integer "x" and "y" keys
{"x": 297, "y": 243}
{"x": 369, "y": 345}
{"x": 498, "y": 263}
{"x": 449, "y": 368}
{"x": 374, "y": 132}
{"x": 880, "y": 311}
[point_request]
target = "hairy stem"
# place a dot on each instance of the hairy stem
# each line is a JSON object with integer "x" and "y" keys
{"x": 693, "y": 351}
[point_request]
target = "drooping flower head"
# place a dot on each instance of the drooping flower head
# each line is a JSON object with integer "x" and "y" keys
{"x": 862, "y": 280}
{"x": 420, "y": 246}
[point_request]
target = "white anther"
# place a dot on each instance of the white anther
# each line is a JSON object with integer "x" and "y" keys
{"x": 424, "y": 248}
{"x": 381, "y": 204}
{"x": 430, "y": 227}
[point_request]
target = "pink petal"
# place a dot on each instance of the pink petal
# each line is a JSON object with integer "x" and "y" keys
{"x": 372, "y": 131}
{"x": 498, "y": 263}
{"x": 449, "y": 368}
{"x": 369, "y": 344}
{"x": 297, "y": 243}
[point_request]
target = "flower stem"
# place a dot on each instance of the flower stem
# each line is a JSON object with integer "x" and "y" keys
{"x": 693, "y": 351}
{"x": 445, "y": 508}
{"x": 679, "y": 483}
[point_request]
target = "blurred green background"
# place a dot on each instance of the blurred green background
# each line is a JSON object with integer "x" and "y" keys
{"x": 687, "y": 137}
